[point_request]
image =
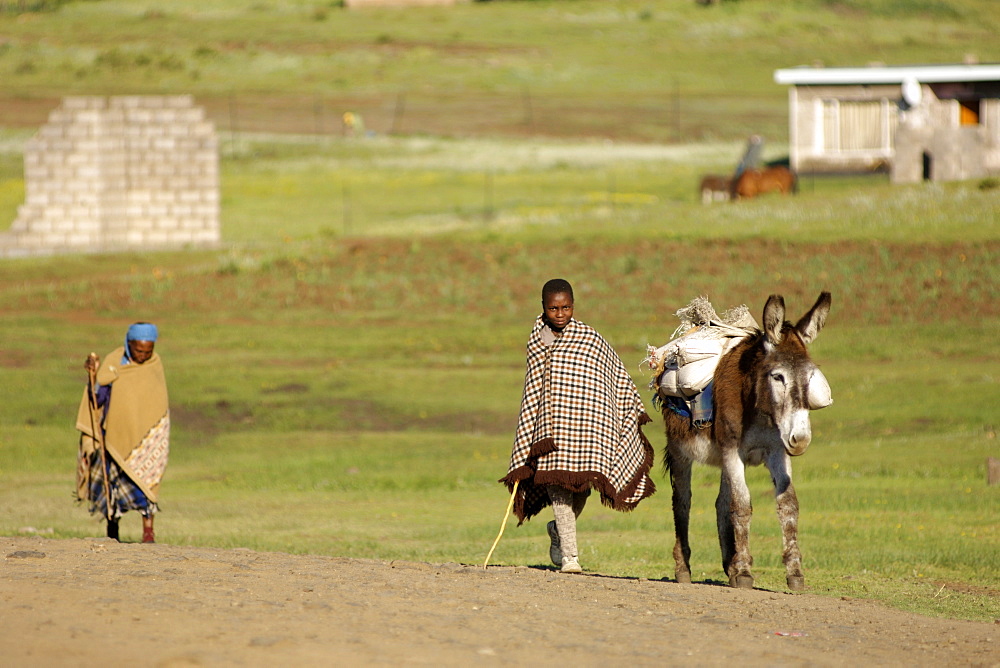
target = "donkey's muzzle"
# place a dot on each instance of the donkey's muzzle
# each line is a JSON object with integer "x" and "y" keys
{"x": 800, "y": 434}
{"x": 797, "y": 446}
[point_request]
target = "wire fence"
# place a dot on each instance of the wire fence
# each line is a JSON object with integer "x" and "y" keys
{"x": 651, "y": 118}
{"x": 670, "y": 116}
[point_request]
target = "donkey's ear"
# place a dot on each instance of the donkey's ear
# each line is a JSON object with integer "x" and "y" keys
{"x": 774, "y": 318}
{"x": 810, "y": 324}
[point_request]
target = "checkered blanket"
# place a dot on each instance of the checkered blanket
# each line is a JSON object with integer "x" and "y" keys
{"x": 580, "y": 424}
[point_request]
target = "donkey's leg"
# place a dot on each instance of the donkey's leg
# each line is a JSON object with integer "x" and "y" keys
{"x": 733, "y": 511}
{"x": 680, "y": 484}
{"x": 724, "y": 523}
{"x": 780, "y": 466}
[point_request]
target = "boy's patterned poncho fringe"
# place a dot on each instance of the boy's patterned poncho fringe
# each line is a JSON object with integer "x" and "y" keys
{"x": 580, "y": 424}
{"x": 137, "y": 426}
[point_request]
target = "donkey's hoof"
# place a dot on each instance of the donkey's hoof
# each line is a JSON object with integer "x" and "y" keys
{"x": 683, "y": 577}
{"x": 796, "y": 582}
{"x": 741, "y": 581}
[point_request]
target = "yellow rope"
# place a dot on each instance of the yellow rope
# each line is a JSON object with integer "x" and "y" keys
{"x": 503, "y": 525}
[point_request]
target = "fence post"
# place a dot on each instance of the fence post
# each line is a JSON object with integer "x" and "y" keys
{"x": 677, "y": 110}
{"x": 318, "y": 114}
{"x": 233, "y": 128}
{"x": 488, "y": 212}
{"x": 345, "y": 199}
{"x": 397, "y": 113}
{"x": 529, "y": 116}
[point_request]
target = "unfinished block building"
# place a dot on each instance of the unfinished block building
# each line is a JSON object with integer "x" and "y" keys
{"x": 119, "y": 173}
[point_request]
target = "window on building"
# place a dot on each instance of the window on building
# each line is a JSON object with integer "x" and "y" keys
{"x": 858, "y": 125}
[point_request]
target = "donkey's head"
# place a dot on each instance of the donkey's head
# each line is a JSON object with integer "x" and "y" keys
{"x": 786, "y": 371}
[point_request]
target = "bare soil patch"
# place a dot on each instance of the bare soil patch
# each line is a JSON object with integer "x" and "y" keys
{"x": 93, "y": 602}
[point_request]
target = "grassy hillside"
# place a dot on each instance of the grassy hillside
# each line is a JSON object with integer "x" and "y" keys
{"x": 667, "y": 70}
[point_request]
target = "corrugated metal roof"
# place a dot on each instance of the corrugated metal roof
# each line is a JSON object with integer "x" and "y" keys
{"x": 887, "y": 74}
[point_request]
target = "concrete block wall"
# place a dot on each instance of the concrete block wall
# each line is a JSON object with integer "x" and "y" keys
{"x": 119, "y": 173}
{"x": 952, "y": 152}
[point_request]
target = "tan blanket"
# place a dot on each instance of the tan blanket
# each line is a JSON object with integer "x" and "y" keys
{"x": 137, "y": 426}
{"x": 580, "y": 424}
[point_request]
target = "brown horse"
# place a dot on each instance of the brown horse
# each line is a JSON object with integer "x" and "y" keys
{"x": 753, "y": 182}
{"x": 762, "y": 397}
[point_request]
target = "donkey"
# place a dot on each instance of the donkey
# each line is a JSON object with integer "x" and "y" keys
{"x": 761, "y": 408}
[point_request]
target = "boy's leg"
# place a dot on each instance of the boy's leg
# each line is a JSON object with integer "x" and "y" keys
{"x": 555, "y": 550}
{"x": 564, "y": 507}
{"x": 579, "y": 501}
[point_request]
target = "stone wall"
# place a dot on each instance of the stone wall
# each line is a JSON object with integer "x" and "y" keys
{"x": 119, "y": 173}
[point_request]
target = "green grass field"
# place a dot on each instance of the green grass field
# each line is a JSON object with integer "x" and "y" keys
{"x": 654, "y": 70}
{"x": 356, "y": 396}
{"x": 345, "y": 372}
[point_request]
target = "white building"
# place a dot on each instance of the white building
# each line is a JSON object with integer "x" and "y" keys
{"x": 920, "y": 122}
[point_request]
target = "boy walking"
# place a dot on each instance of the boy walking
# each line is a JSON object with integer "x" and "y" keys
{"x": 579, "y": 427}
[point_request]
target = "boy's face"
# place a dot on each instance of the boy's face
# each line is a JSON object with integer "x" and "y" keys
{"x": 558, "y": 310}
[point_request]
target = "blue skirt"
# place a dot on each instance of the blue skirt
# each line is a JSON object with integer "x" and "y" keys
{"x": 125, "y": 494}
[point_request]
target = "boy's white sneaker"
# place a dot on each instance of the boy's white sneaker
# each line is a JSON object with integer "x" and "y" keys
{"x": 570, "y": 565}
{"x": 555, "y": 550}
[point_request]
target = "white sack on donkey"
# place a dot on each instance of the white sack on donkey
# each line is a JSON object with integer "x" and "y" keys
{"x": 684, "y": 367}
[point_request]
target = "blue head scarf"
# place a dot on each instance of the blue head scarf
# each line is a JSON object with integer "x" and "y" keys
{"x": 140, "y": 331}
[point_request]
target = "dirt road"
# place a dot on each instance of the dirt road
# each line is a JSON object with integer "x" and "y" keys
{"x": 94, "y": 602}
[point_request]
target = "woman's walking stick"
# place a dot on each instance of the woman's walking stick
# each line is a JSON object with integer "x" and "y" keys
{"x": 98, "y": 433}
{"x": 503, "y": 525}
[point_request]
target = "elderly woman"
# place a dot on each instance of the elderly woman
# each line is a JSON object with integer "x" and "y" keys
{"x": 124, "y": 420}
